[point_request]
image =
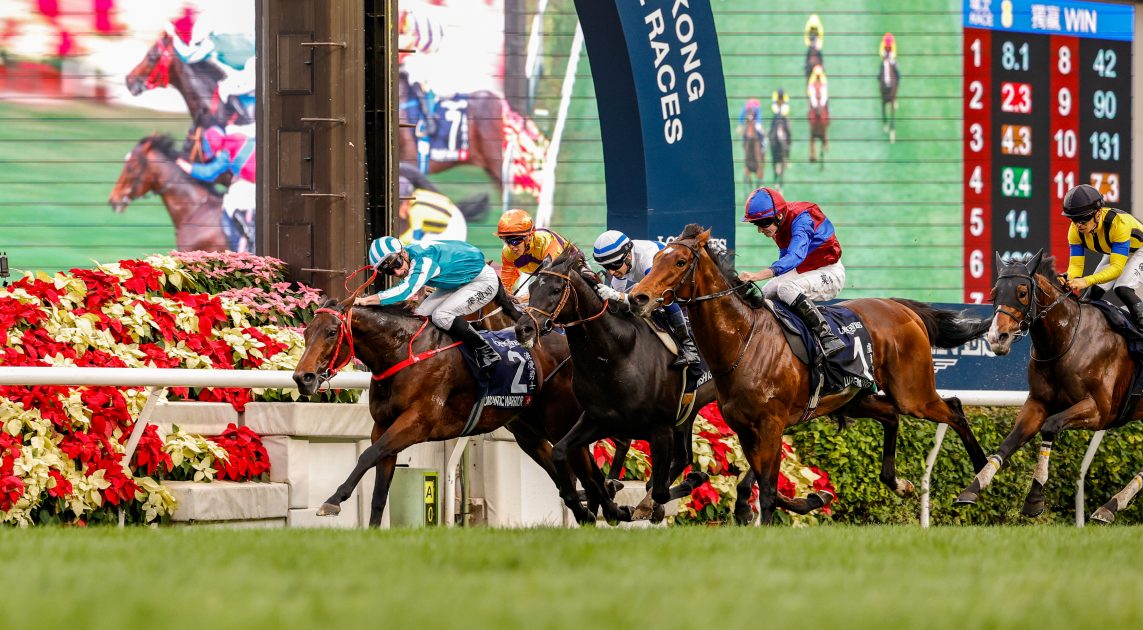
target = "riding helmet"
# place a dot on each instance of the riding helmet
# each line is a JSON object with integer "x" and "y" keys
{"x": 611, "y": 247}
{"x": 1082, "y": 201}
{"x": 763, "y": 203}
{"x": 384, "y": 251}
{"x": 515, "y": 222}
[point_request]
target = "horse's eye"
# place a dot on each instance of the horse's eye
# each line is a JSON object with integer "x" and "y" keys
{"x": 331, "y": 333}
{"x": 680, "y": 263}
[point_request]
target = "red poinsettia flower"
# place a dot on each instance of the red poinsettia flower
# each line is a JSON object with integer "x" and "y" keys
{"x": 207, "y": 307}
{"x": 45, "y": 290}
{"x": 62, "y": 487}
{"x": 122, "y": 488}
{"x": 163, "y": 318}
{"x": 144, "y": 277}
{"x": 247, "y": 456}
{"x": 150, "y": 458}
{"x": 82, "y": 447}
{"x": 786, "y": 486}
{"x": 703, "y": 496}
{"x": 102, "y": 287}
{"x": 11, "y": 489}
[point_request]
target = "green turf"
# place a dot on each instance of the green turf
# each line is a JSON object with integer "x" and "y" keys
{"x": 877, "y": 577}
{"x": 58, "y": 165}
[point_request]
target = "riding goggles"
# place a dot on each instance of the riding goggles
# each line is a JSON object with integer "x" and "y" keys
{"x": 764, "y": 222}
{"x": 513, "y": 240}
{"x": 1085, "y": 219}
{"x": 615, "y": 265}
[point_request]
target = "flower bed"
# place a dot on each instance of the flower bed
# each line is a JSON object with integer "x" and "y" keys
{"x": 719, "y": 454}
{"x": 61, "y": 447}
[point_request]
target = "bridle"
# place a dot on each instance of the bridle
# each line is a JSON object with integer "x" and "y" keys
{"x": 567, "y": 293}
{"x": 1032, "y": 312}
{"x": 160, "y": 75}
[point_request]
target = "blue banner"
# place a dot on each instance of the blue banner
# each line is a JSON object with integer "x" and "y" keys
{"x": 1096, "y": 20}
{"x": 663, "y": 116}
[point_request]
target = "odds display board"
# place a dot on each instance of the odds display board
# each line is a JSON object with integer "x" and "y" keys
{"x": 1047, "y": 106}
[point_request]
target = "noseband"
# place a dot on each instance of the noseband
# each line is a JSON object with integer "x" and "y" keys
{"x": 1033, "y": 312}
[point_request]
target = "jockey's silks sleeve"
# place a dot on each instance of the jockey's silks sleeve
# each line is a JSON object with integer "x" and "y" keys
{"x": 421, "y": 272}
{"x": 1118, "y": 235}
{"x": 209, "y": 171}
{"x": 801, "y": 233}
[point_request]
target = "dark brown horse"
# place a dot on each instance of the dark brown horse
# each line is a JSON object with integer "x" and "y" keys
{"x": 780, "y": 141}
{"x": 623, "y": 376}
{"x": 1079, "y": 374}
{"x": 197, "y": 82}
{"x": 819, "y": 130}
{"x": 889, "y": 78}
{"x": 754, "y": 164}
{"x": 485, "y": 133}
{"x": 763, "y": 388}
{"x": 195, "y": 209}
{"x": 431, "y": 399}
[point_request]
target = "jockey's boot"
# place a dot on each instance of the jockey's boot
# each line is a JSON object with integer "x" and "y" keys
{"x": 427, "y": 113}
{"x": 461, "y": 330}
{"x": 813, "y": 318}
{"x": 1133, "y": 303}
{"x": 688, "y": 352}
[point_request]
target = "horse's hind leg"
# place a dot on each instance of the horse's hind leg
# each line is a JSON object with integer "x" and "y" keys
{"x": 622, "y": 447}
{"x": 765, "y": 458}
{"x": 743, "y": 512}
{"x": 882, "y": 410}
{"x": 381, "y": 489}
{"x": 1106, "y": 513}
{"x": 1028, "y": 423}
{"x": 1084, "y": 414}
{"x": 583, "y": 433}
{"x": 541, "y": 452}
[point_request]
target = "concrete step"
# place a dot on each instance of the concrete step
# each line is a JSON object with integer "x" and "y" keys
{"x": 230, "y": 502}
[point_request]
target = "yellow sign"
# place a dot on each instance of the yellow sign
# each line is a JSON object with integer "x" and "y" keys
{"x": 430, "y": 495}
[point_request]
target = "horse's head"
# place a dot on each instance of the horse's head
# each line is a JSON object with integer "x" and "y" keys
{"x": 672, "y": 276}
{"x": 553, "y": 297}
{"x": 154, "y": 71}
{"x": 1025, "y": 291}
{"x": 137, "y": 177}
{"x": 329, "y": 346}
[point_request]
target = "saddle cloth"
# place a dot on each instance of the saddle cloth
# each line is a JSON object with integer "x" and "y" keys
{"x": 852, "y": 367}
{"x": 450, "y": 142}
{"x": 696, "y": 374}
{"x": 512, "y": 381}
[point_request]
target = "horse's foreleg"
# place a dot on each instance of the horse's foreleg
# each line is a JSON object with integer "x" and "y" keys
{"x": 683, "y": 457}
{"x": 662, "y": 443}
{"x": 1028, "y": 423}
{"x": 541, "y": 452}
{"x": 743, "y": 512}
{"x": 766, "y": 463}
{"x": 1084, "y": 414}
{"x": 583, "y": 433}
{"x": 406, "y": 431}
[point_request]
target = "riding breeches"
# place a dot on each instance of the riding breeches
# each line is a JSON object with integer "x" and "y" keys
{"x": 238, "y": 216}
{"x": 445, "y": 305}
{"x": 823, "y": 283}
{"x": 1132, "y": 275}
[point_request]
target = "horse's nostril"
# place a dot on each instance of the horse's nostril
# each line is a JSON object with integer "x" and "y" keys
{"x": 309, "y": 377}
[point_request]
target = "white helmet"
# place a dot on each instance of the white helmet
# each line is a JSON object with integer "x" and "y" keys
{"x": 383, "y": 252}
{"x": 611, "y": 248}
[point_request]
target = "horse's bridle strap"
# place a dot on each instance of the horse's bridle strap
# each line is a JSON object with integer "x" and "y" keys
{"x": 414, "y": 358}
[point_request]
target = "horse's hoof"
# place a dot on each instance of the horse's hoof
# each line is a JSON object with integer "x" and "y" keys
{"x": 658, "y": 513}
{"x": 695, "y": 478}
{"x": 623, "y": 514}
{"x": 329, "y": 509}
{"x": 1033, "y": 508}
{"x": 613, "y": 486}
{"x": 1103, "y": 515}
{"x": 905, "y": 488}
{"x": 967, "y": 498}
{"x": 744, "y": 517}
{"x": 821, "y": 497}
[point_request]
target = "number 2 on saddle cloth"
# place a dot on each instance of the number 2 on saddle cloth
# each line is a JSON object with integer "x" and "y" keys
{"x": 449, "y": 140}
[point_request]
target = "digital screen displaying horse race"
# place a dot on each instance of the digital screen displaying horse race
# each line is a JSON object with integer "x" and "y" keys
{"x": 1047, "y": 106}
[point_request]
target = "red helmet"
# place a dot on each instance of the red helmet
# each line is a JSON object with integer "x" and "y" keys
{"x": 515, "y": 222}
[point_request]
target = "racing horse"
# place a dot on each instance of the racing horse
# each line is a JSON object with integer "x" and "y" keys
{"x": 485, "y": 132}
{"x": 623, "y": 377}
{"x": 889, "y": 78}
{"x": 818, "y": 114}
{"x": 196, "y": 82}
{"x": 1079, "y": 374}
{"x": 780, "y": 140}
{"x": 195, "y": 207}
{"x": 423, "y": 391}
{"x": 754, "y": 164}
{"x": 763, "y": 388}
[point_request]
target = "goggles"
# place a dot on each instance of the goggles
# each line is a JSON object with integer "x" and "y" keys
{"x": 1084, "y": 219}
{"x": 614, "y": 265}
{"x": 513, "y": 240}
{"x": 764, "y": 222}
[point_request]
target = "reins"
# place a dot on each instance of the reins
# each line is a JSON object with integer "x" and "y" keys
{"x": 567, "y": 292}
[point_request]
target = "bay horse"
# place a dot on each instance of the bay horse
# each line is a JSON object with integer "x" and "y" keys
{"x": 1079, "y": 373}
{"x": 763, "y": 388}
{"x": 819, "y": 127}
{"x": 754, "y": 161}
{"x": 623, "y": 376}
{"x": 780, "y": 140}
{"x": 485, "y": 132}
{"x": 196, "y": 82}
{"x": 423, "y": 391}
{"x": 195, "y": 208}
{"x": 889, "y": 78}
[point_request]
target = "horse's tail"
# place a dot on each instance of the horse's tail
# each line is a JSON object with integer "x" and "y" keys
{"x": 474, "y": 208}
{"x": 946, "y": 329}
{"x": 505, "y": 301}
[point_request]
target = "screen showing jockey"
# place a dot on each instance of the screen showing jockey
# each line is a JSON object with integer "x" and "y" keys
{"x": 888, "y": 46}
{"x": 418, "y": 30}
{"x": 525, "y": 247}
{"x": 817, "y": 90}
{"x": 752, "y": 108}
{"x": 463, "y": 284}
{"x": 230, "y": 151}
{"x": 430, "y": 216}
{"x": 809, "y": 265}
{"x": 814, "y": 37}
{"x": 626, "y": 262}
{"x": 780, "y": 108}
{"x": 205, "y": 37}
{"x": 1113, "y": 233}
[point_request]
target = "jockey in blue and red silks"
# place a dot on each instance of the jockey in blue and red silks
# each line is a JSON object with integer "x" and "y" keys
{"x": 230, "y": 150}
{"x": 809, "y": 265}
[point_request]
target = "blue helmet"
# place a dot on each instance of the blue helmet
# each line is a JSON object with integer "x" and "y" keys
{"x": 611, "y": 248}
{"x": 761, "y": 204}
{"x": 384, "y": 251}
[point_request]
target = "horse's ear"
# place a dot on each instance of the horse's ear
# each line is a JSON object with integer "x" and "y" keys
{"x": 588, "y": 275}
{"x": 1034, "y": 263}
{"x": 999, "y": 261}
{"x": 703, "y": 237}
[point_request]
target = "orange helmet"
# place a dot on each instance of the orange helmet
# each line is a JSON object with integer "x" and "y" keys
{"x": 515, "y": 222}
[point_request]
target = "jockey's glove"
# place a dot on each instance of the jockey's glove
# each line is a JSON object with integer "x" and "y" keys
{"x": 608, "y": 293}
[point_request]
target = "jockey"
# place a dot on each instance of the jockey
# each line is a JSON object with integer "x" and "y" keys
{"x": 230, "y": 150}
{"x": 814, "y": 34}
{"x": 1111, "y": 232}
{"x": 202, "y": 37}
{"x": 752, "y": 106}
{"x": 627, "y": 262}
{"x": 888, "y": 45}
{"x": 817, "y": 89}
{"x": 420, "y": 31}
{"x": 430, "y": 216}
{"x": 525, "y": 247}
{"x": 780, "y": 103}
{"x": 809, "y": 268}
{"x": 463, "y": 281}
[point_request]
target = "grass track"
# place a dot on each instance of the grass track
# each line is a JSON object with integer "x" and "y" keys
{"x": 685, "y": 577}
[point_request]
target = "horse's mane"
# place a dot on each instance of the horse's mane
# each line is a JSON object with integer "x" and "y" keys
{"x": 1046, "y": 268}
{"x": 164, "y": 144}
{"x": 724, "y": 261}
